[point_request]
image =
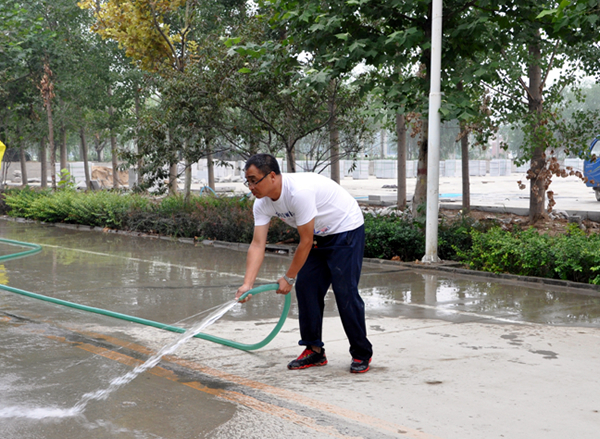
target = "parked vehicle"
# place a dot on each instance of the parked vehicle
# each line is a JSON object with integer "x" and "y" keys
{"x": 591, "y": 169}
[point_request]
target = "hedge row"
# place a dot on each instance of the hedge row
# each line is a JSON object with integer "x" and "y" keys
{"x": 572, "y": 256}
{"x": 224, "y": 219}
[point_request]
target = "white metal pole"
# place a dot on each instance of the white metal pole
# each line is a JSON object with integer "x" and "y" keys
{"x": 433, "y": 146}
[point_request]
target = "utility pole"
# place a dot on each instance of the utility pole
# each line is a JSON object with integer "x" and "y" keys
{"x": 433, "y": 160}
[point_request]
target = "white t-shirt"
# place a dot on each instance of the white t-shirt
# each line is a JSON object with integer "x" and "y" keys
{"x": 305, "y": 196}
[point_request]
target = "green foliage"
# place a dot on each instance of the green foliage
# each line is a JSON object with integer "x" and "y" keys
{"x": 223, "y": 219}
{"x": 101, "y": 209}
{"x": 456, "y": 235}
{"x": 67, "y": 181}
{"x": 19, "y": 201}
{"x": 215, "y": 218}
{"x": 173, "y": 205}
{"x": 572, "y": 256}
{"x": 53, "y": 208}
{"x": 389, "y": 236}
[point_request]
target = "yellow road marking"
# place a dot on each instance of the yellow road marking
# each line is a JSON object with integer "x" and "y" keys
{"x": 235, "y": 397}
{"x": 367, "y": 420}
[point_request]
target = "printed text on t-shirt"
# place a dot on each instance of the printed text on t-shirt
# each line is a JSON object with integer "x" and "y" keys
{"x": 288, "y": 214}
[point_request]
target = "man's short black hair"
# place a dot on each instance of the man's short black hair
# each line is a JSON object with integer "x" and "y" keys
{"x": 265, "y": 163}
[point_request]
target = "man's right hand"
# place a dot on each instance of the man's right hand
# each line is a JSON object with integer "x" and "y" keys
{"x": 241, "y": 290}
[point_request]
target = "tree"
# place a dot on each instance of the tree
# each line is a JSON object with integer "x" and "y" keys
{"x": 152, "y": 34}
{"x": 393, "y": 38}
{"x": 51, "y": 61}
{"x": 277, "y": 88}
{"x": 533, "y": 44}
{"x": 22, "y": 39}
{"x": 269, "y": 89}
{"x": 164, "y": 37}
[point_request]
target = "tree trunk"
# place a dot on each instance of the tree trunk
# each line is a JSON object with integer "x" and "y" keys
{"x": 84, "y": 157}
{"x": 173, "y": 179}
{"x": 43, "y": 163}
{"x": 419, "y": 203}
{"x": 464, "y": 153}
{"x": 113, "y": 142}
{"x": 334, "y": 141}
{"x": 63, "y": 147}
{"x": 383, "y": 139}
{"x": 537, "y": 194}
{"x": 420, "y": 197}
{"x": 211, "y": 167}
{"x": 51, "y": 143}
{"x": 47, "y": 89}
{"x": 140, "y": 163}
{"x": 401, "y": 134}
{"x": 187, "y": 189}
{"x": 115, "y": 163}
{"x": 80, "y": 148}
{"x": 98, "y": 147}
{"x": 291, "y": 158}
{"x": 22, "y": 158}
{"x": 466, "y": 184}
{"x": 5, "y": 168}
{"x": 53, "y": 164}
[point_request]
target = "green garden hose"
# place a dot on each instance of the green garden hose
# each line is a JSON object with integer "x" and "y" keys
{"x": 245, "y": 347}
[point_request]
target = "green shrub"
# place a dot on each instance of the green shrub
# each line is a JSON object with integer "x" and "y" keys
{"x": 178, "y": 225}
{"x": 498, "y": 251}
{"x": 53, "y": 208}
{"x": 102, "y": 208}
{"x": 389, "y": 236}
{"x": 225, "y": 219}
{"x": 19, "y": 201}
{"x": 572, "y": 256}
{"x": 576, "y": 256}
{"x": 215, "y": 218}
{"x": 455, "y": 235}
{"x": 176, "y": 204}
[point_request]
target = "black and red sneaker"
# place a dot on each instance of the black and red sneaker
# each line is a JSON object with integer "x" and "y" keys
{"x": 359, "y": 366}
{"x": 308, "y": 358}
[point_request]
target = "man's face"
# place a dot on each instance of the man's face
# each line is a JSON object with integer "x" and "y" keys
{"x": 257, "y": 182}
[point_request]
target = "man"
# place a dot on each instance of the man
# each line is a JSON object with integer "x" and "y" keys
{"x": 330, "y": 252}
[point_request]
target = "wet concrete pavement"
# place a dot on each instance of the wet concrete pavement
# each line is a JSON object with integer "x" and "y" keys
{"x": 455, "y": 356}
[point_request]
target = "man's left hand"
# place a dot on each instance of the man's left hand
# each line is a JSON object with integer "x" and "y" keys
{"x": 284, "y": 286}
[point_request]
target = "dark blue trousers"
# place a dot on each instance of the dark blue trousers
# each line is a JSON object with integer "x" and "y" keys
{"x": 334, "y": 260}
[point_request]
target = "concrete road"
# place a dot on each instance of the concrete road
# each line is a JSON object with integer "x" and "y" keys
{"x": 487, "y": 193}
{"x": 456, "y": 357}
{"x": 570, "y": 193}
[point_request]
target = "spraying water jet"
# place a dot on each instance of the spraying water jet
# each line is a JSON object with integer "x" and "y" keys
{"x": 102, "y": 394}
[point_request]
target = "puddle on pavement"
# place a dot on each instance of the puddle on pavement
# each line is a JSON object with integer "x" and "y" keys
{"x": 463, "y": 299}
{"x": 42, "y": 379}
{"x": 169, "y": 282}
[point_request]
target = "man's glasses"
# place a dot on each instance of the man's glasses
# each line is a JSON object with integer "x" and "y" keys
{"x": 254, "y": 183}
